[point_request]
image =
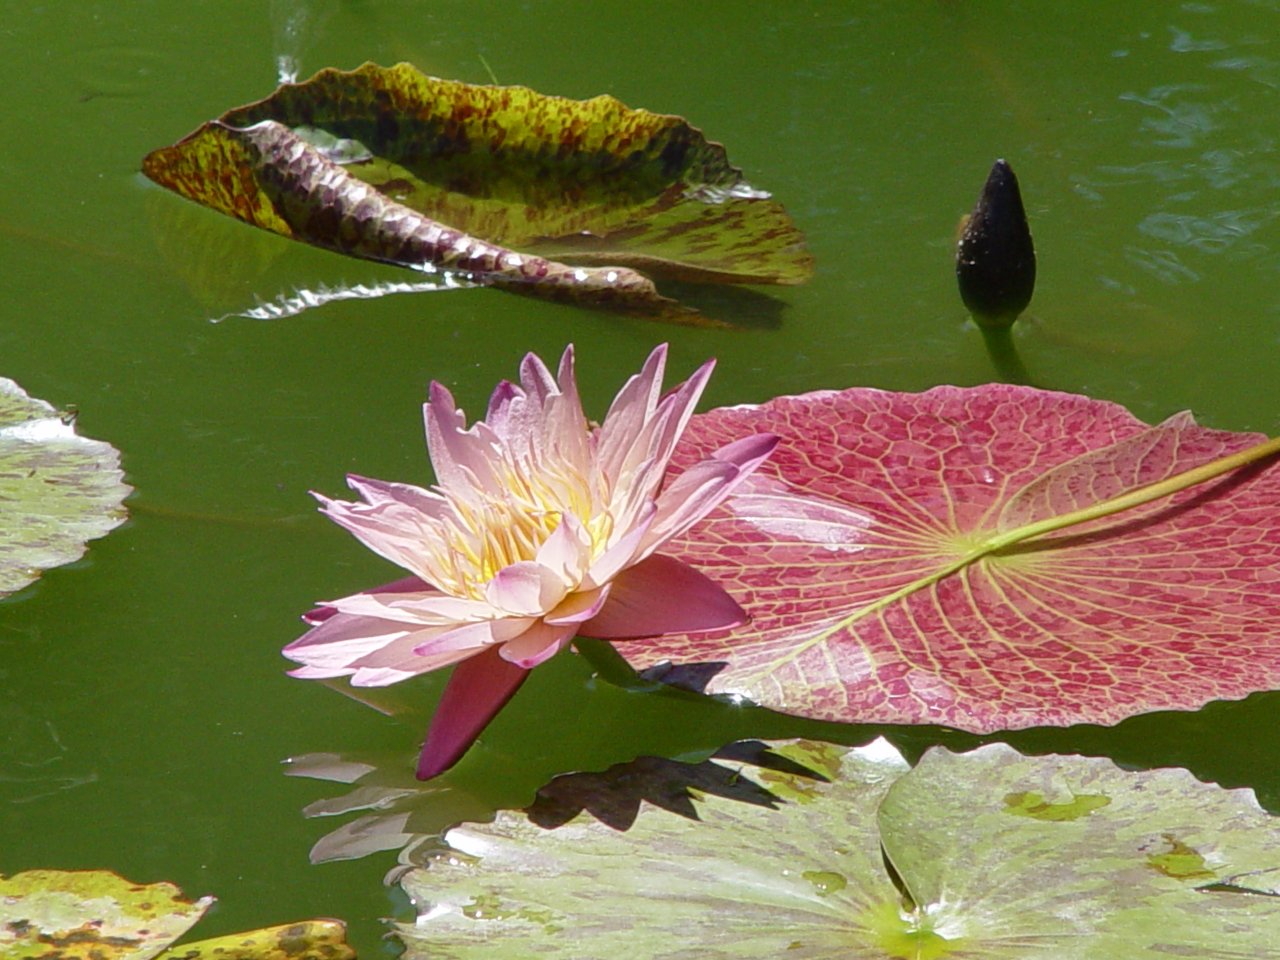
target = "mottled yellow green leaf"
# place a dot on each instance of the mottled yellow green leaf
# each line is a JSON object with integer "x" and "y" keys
{"x": 98, "y": 915}
{"x": 90, "y": 915}
{"x": 504, "y": 185}
{"x": 306, "y": 940}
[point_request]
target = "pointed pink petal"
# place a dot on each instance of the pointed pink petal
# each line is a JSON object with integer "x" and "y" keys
{"x": 477, "y": 690}
{"x": 642, "y": 390}
{"x": 705, "y": 485}
{"x": 499, "y": 400}
{"x": 334, "y": 645}
{"x": 416, "y": 609}
{"x": 662, "y": 595}
{"x": 379, "y": 492}
{"x": 626, "y": 452}
{"x": 462, "y": 458}
{"x": 472, "y": 636}
{"x": 567, "y": 552}
{"x": 678, "y": 407}
{"x": 539, "y": 643}
{"x": 622, "y": 552}
{"x": 400, "y": 660}
{"x": 403, "y": 585}
{"x": 525, "y": 589}
{"x": 536, "y": 379}
{"x": 390, "y": 529}
{"x": 630, "y": 411}
{"x": 340, "y": 628}
{"x": 578, "y": 607}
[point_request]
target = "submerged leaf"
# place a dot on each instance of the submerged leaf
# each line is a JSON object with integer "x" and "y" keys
{"x": 393, "y": 165}
{"x": 58, "y": 489}
{"x": 885, "y": 555}
{"x": 805, "y": 876}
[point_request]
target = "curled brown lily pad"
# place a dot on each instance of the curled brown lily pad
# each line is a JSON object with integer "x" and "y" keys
{"x": 505, "y": 186}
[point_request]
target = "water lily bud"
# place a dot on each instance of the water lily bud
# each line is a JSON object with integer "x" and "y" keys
{"x": 995, "y": 258}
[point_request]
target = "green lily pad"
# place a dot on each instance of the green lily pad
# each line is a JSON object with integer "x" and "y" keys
{"x": 831, "y": 852}
{"x": 505, "y": 186}
{"x": 58, "y": 490}
{"x": 99, "y": 915}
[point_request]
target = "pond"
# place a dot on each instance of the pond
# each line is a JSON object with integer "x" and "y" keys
{"x": 146, "y": 712}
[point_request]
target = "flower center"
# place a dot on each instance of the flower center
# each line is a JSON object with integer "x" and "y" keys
{"x": 487, "y": 533}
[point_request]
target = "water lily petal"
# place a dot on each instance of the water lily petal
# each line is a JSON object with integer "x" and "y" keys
{"x": 473, "y": 636}
{"x": 403, "y": 585}
{"x": 697, "y": 491}
{"x": 623, "y": 447}
{"x": 630, "y": 410}
{"x": 378, "y": 492}
{"x": 567, "y": 551}
{"x": 391, "y": 530}
{"x": 477, "y": 690}
{"x": 662, "y": 595}
{"x": 499, "y": 402}
{"x": 623, "y": 551}
{"x": 333, "y": 645}
{"x": 525, "y": 589}
{"x": 539, "y": 643}
{"x": 578, "y": 607}
{"x": 463, "y": 459}
{"x": 384, "y": 676}
{"x": 400, "y": 657}
{"x": 429, "y": 608}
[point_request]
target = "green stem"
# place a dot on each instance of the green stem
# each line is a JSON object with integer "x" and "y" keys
{"x": 1133, "y": 498}
{"x": 1125, "y": 501}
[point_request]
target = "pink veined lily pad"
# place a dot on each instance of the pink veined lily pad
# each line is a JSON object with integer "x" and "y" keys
{"x": 863, "y": 551}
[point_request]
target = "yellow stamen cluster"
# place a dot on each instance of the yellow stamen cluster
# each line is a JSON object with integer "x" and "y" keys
{"x": 486, "y": 533}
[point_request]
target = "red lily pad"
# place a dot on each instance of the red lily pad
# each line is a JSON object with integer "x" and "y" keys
{"x": 961, "y": 557}
{"x": 492, "y": 183}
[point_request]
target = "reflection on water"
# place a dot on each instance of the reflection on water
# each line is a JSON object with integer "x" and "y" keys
{"x": 410, "y": 816}
{"x": 404, "y": 813}
{"x": 290, "y": 305}
{"x": 295, "y": 24}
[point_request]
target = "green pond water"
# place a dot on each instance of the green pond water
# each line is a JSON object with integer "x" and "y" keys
{"x": 144, "y": 710}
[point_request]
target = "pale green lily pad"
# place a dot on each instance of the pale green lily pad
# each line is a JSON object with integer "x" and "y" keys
{"x": 58, "y": 490}
{"x": 995, "y": 855}
{"x": 99, "y": 915}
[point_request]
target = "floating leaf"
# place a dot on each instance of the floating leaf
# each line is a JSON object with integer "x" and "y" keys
{"x": 58, "y": 489}
{"x": 98, "y": 915}
{"x": 393, "y": 165}
{"x": 56, "y": 914}
{"x": 898, "y": 557}
{"x": 305, "y": 940}
{"x": 803, "y": 874}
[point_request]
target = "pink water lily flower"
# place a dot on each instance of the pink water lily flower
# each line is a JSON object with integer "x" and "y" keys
{"x": 541, "y": 527}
